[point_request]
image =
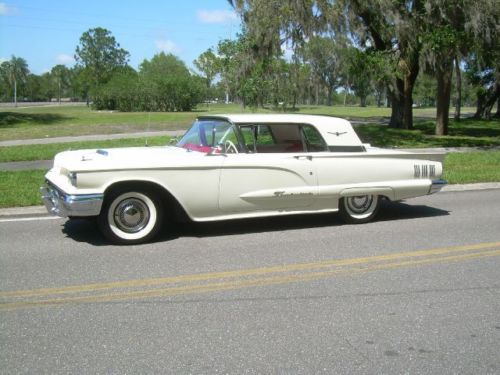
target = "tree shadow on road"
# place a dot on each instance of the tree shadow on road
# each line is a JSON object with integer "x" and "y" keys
{"x": 87, "y": 231}
{"x": 11, "y": 119}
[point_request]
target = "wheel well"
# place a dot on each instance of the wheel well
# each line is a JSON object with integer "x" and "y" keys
{"x": 173, "y": 208}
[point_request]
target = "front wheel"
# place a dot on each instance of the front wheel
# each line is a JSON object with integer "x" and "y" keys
{"x": 359, "y": 209}
{"x": 131, "y": 217}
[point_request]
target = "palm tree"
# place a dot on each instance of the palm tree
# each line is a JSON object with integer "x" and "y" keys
{"x": 16, "y": 70}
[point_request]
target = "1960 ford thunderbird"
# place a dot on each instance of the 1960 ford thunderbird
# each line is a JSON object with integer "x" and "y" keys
{"x": 236, "y": 166}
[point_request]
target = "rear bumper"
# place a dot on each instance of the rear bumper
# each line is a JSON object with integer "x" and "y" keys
{"x": 58, "y": 203}
{"x": 437, "y": 185}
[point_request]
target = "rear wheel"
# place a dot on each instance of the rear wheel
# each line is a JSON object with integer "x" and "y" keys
{"x": 359, "y": 209}
{"x": 131, "y": 217}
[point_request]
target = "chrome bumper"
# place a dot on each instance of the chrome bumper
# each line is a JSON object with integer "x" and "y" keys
{"x": 437, "y": 185}
{"x": 61, "y": 204}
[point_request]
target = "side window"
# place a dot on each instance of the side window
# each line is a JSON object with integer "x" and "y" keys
{"x": 281, "y": 138}
{"x": 263, "y": 136}
{"x": 257, "y": 137}
{"x": 313, "y": 140}
{"x": 288, "y": 137}
{"x": 247, "y": 133}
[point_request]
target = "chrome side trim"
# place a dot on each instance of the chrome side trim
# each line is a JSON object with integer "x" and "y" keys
{"x": 61, "y": 204}
{"x": 437, "y": 185}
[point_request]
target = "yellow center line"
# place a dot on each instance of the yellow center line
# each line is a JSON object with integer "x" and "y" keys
{"x": 245, "y": 283}
{"x": 244, "y": 273}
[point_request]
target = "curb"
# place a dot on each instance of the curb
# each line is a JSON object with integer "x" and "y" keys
{"x": 42, "y": 211}
{"x": 471, "y": 187}
{"x": 23, "y": 211}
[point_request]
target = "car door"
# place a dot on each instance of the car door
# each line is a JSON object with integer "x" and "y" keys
{"x": 267, "y": 181}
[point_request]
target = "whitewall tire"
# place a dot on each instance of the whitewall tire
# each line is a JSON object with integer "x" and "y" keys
{"x": 359, "y": 209}
{"x": 131, "y": 217}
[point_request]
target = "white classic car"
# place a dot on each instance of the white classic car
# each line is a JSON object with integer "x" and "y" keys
{"x": 237, "y": 166}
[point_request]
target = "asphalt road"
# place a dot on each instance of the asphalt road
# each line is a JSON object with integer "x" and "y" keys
{"x": 418, "y": 291}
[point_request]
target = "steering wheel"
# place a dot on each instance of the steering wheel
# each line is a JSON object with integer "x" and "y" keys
{"x": 230, "y": 147}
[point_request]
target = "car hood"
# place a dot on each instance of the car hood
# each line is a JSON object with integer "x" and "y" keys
{"x": 124, "y": 158}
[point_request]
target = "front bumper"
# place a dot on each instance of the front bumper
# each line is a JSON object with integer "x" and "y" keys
{"x": 437, "y": 185}
{"x": 58, "y": 203}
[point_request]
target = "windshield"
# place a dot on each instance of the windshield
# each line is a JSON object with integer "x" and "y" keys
{"x": 208, "y": 135}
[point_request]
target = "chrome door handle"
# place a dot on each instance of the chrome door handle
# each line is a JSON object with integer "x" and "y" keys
{"x": 302, "y": 157}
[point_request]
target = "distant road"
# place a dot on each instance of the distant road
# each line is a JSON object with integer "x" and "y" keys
{"x": 38, "y": 104}
{"x": 90, "y": 137}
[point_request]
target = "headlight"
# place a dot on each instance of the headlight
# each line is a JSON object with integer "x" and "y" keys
{"x": 72, "y": 178}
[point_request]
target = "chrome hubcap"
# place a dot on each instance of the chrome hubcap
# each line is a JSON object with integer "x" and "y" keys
{"x": 131, "y": 215}
{"x": 360, "y": 204}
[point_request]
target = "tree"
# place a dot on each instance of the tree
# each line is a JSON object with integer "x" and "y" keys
{"x": 393, "y": 28}
{"x": 325, "y": 57}
{"x": 227, "y": 51}
{"x": 440, "y": 48}
{"x": 163, "y": 65}
{"x": 208, "y": 64}
{"x": 80, "y": 83}
{"x": 483, "y": 72}
{"x": 169, "y": 84}
{"x": 388, "y": 26}
{"x": 48, "y": 88}
{"x": 99, "y": 54}
{"x": 425, "y": 92}
{"x": 163, "y": 83}
{"x": 483, "y": 59}
{"x": 61, "y": 76}
{"x": 34, "y": 88}
{"x": 453, "y": 29}
{"x": 121, "y": 92}
{"x": 4, "y": 87}
{"x": 365, "y": 72}
{"x": 15, "y": 71}
{"x": 244, "y": 72}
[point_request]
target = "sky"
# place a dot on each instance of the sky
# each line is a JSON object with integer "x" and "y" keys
{"x": 46, "y": 33}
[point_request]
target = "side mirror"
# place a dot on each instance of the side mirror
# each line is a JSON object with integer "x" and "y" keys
{"x": 220, "y": 149}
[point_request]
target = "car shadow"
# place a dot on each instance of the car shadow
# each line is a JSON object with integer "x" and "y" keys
{"x": 82, "y": 230}
{"x": 403, "y": 211}
{"x": 389, "y": 211}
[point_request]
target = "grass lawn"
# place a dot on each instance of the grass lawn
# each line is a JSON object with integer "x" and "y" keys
{"x": 20, "y": 188}
{"x": 74, "y": 120}
{"x": 47, "y": 152}
{"x": 471, "y": 167}
{"x": 465, "y": 133}
{"x": 54, "y": 121}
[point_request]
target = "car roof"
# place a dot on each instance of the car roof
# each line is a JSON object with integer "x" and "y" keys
{"x": 274, "y": 118}
{"x": 335, "y": 131}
